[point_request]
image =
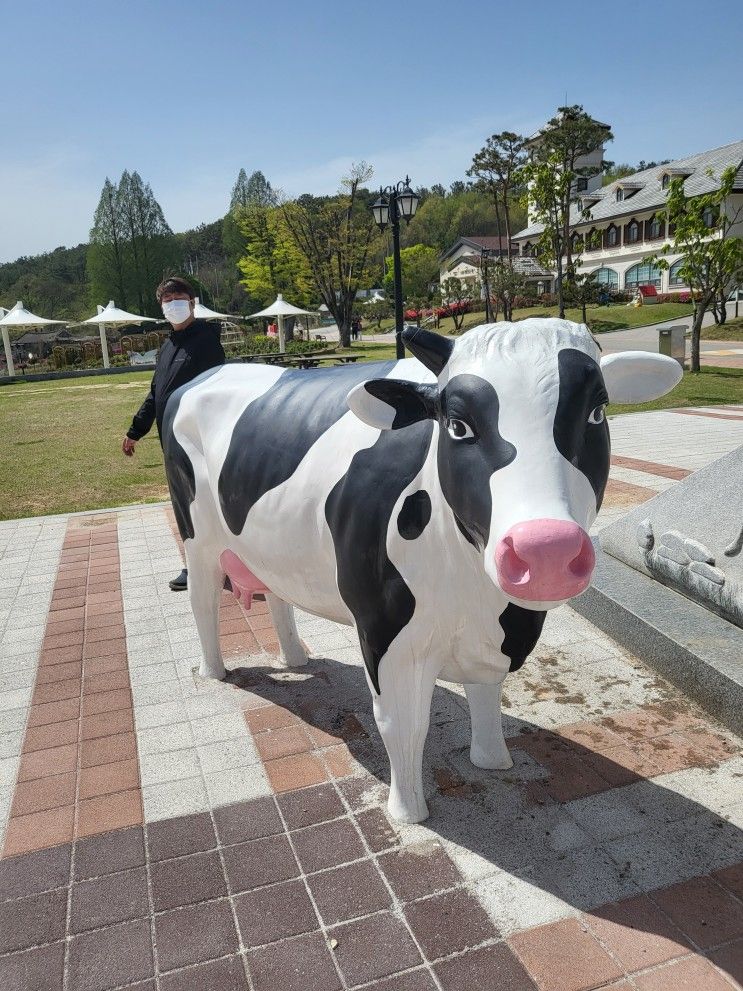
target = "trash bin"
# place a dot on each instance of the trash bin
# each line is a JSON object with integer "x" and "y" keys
{"x": 672, "y": 342}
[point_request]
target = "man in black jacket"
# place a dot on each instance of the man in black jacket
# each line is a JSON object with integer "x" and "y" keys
{"x": 192, "y": 348}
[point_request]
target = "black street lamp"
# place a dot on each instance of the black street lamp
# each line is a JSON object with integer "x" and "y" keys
{"x": 395, "y": 202}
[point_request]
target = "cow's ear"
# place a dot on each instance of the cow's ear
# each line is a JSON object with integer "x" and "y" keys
{"x": 431, "y": 349}
{"x": 639, "y": 376}
{"x": 389, "y": 404}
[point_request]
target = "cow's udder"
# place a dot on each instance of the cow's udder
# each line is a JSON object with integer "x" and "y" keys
{"x": 244, "y": 583}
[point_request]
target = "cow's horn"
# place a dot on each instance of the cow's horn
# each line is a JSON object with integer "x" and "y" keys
{"x": 432, "y": 349}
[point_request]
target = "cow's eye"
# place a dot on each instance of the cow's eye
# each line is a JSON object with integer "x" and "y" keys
{"x": 597, "y": 415}
{"x": 459, "y": 430}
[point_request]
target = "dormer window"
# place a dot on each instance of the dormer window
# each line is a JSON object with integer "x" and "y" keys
{"x": 620, "y": 195}
{"x": 665, "y": 181}
{"x": 581, "y": 184}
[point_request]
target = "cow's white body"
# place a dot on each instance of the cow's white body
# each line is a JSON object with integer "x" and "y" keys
{"x": 455, "y": 632}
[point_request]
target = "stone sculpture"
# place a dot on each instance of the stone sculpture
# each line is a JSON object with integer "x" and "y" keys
{"x": 440, "y": 504}
{"x": 687, "y": 565}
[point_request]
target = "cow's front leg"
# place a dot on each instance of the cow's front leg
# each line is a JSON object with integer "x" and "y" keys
{"x": 293, "y": 654}
{"x": 488, "y": 747}
{"x": 205, "y": 581}
{"x": 403, "y": 711}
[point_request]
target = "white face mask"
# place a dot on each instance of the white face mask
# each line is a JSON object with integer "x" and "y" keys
{"x": 177, "y": 311}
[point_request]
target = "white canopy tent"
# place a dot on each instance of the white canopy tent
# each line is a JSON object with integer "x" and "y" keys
{"x": 19, "y": 318}
{"x": 113, "y": 316}
{"x": 202, "y": 312}
{"x": 281, "y": 309}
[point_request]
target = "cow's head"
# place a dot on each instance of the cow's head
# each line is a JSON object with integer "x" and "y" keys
{"x": 523, "y": 442}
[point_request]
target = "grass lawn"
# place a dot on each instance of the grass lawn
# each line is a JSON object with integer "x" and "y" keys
{"x": 731, "y": 330}
{"x": 601, "y": 319}
{"x": 60, "y": 450}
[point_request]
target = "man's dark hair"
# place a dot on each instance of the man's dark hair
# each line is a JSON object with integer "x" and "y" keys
{"x": 175, "y": 284}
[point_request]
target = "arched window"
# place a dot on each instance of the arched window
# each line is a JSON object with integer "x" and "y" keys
{"x": 611, "y": 236}
{"x": 593, "y": 240}
{"x": 633, "y": 232}
{"x": 620, "y": 195}
{"x": 576, "y": 242}
{"x": 653, "y": 229}
{"x": 607, "y": 277}
{"x": 642, "y": 274}
{"x": 527, "y": 249}
{"x": 674, "y": 274}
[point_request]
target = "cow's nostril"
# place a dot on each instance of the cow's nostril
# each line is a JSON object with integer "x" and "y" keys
{"x": 515, "y": 569}
{"x": 582, "y": 564}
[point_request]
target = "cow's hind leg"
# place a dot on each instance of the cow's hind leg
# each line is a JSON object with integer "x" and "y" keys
{"x": 402, "y": 710}
{"x": 205, "y": 581}
{"x": 293, "y": 654}
{"x": 488, "y": 747}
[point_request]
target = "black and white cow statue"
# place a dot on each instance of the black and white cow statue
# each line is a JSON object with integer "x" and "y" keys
{"x": 440, "y": 504}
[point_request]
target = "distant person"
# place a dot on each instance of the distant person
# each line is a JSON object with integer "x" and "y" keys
{"x": 192, "y": 348}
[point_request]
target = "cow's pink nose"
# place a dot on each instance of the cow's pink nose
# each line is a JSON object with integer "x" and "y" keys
{"x": 545, "y": 560}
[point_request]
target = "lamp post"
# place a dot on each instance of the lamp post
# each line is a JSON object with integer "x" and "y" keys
{"x": 393, "y": 203}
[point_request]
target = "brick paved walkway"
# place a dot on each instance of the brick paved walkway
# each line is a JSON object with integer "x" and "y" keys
{"x": 161, "y": 832}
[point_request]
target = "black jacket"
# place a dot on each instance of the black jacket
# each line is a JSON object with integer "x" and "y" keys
{"x": 186, "y": 354}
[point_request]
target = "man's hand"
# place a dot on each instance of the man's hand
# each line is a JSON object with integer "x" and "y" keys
{"x": 128, "y": 446}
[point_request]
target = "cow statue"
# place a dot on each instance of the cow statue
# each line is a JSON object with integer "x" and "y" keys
{"x": 440, "y": 504}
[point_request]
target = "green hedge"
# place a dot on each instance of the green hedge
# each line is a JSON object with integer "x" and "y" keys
{"x": 260, "y": 344}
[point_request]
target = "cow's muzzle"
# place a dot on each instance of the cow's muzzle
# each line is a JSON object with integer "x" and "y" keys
{"x": 544, "y": 560}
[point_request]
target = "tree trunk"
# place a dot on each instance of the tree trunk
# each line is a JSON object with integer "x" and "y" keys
{"x": 583, "y": 308}
{"x": 696, "y": 332}
{"x": 723, "y": 307}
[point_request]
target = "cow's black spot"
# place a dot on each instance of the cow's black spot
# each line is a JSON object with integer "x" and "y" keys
{"x": 358, "y": 511}
{"x": 522, "y": 628}
{"x": 178, "y": 467}
{"x": 585, "y": 445}
{"x": 415, "y": 515}
{"x": 466, "y": 466}
{"x": 273, "y": 434}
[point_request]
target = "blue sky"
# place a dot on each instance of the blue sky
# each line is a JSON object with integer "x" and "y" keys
{"x": 188, "y": 93}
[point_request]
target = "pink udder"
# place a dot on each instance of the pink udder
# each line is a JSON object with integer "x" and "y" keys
{"x": 244, "y": 582}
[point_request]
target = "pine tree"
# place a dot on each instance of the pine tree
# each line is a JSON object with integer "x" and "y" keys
{"x": 106, "y": 261}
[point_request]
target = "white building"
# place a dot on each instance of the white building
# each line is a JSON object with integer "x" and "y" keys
{"x": 463, "y": 261}
{"x": 593, "y": 161}
{"x": 626, "y": 225}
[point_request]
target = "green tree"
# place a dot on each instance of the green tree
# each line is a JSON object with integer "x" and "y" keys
{"x": 505, "y": 285}
{"x": 149, "y": 240}
{"x": 131, "y": 245}
{"x": 419, "y": 268}
{"x": 456, "y": 296}
{"x": 107, "y": 264}
{"x": 272, "y": 262}
{"x": 248, "y": 191}
{"x": 498, "y": 167}
{"x": 552, "y": 174}
{"x": 335, "y": 235}
{"x": 583, "y": 290}
{"x": 702, "y": 231}
{"x": 377, "y": 310}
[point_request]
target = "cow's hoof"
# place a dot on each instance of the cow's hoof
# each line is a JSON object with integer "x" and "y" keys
{"x": 415, "y": 812}
{"x": 490, "y": 762}
{"x": 296, "y": 659}
{"x": 216, "y": 671}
